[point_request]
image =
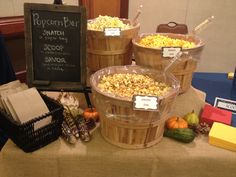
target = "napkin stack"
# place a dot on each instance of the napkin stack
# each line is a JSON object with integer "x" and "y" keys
{"x": 223, "y": 136}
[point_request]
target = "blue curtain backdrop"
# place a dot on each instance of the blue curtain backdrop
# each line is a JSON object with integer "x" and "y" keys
{"x": 7, "y": 74}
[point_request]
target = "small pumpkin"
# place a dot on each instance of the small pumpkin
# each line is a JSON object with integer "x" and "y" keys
{"x": 176, "y": 122}
{"x": 91, "y": 113}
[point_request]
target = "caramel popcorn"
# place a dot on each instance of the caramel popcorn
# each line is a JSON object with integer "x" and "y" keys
{"x": 127, "y": 85}
{"x": 102, "y": 22}
{"x": 159, "y": 41}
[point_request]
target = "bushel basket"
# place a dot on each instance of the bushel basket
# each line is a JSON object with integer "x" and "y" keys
{"x": 123, "y": 126}
{"x": 182, "y": 70}
{"x": 105, "y": 51}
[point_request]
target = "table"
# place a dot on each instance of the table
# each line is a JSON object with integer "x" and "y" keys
{"x": 213, "y": 84}
{"x": 98, "y": 158}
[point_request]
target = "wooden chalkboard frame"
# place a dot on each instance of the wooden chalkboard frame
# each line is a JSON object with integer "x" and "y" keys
{"x": 47, "y": 84}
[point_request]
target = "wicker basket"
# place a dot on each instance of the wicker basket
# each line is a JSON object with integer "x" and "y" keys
{"x": 24, "y": 135}
{"x": 183, "y": 70}
{"x": 123, "y": 126}
{"x": 104, "y": 51}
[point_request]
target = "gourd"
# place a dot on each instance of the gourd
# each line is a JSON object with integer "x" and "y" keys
{"x": 91, "y": 113}
{"x": 185, "y": 135}
{"x": 83, "y": 129}
{"x": 192, "y": 118}
{"x": 176, "y": 122}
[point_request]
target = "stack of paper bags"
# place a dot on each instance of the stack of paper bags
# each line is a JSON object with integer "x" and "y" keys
{"x": 223, "y": 136}
{"x": 23, "y": 103}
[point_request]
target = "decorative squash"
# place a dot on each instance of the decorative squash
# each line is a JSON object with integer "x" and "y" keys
{"x": 91, "y": 113}
{"x": 176, "y": 122}
{"x": 185, "y": 135}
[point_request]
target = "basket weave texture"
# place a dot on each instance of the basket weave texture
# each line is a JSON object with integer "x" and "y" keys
{"x": 24, "y": 135}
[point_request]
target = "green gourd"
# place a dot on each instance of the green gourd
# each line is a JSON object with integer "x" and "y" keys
{"x": 185, "y": 135}
{"x": 192, "y": 118}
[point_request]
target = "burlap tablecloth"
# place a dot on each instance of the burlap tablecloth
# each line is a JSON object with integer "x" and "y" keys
{"x": 101, "y": 159}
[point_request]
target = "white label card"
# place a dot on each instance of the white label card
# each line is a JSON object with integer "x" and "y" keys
{"x": 170, "y": 52}
{"x": 226, "y": 104}
{"x": 112, "y": 31}
{"x": 147, "y": 103}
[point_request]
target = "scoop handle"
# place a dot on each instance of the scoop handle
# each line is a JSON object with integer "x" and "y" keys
{"x": 202, "y": 25}
{"x": 134, "y": 20}
{"x": 173, "y": 60}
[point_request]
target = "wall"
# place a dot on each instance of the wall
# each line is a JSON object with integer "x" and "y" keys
{"x": 219, "y": 54}
{"x": 15, "y": 7}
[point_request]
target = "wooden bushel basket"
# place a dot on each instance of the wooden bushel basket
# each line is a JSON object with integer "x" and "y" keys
{"x": 123, "y": 126}
{"x": 105, "y": 51}
{"x": 182, "y": 70}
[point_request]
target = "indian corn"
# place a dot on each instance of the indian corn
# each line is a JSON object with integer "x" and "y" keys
{"x": 127, "y": 85}
{"x": 159, "y": 41}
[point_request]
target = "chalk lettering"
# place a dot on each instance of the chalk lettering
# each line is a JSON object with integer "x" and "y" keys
{"x": 54, "y": 59}
{"x": 70, "y": 23}
{"x": 51, "y": 47}
{"x": 63, "y": 22}
{"x": 53, "y": 33}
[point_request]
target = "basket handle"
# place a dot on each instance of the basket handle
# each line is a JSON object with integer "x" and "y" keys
{"x": 172, "y": 24}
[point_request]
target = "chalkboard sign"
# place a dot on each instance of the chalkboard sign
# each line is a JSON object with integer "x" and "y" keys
{"x": 55, "y": 39}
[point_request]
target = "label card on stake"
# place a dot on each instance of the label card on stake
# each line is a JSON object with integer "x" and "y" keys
{"x": 112, "y": 31}
{"x": 147, "y": 103}
{"x": 170, "y": 52}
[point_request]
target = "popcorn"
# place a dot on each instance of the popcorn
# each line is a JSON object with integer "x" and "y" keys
{"x": 159, "y": 41}
{"x": 102, "y": 22}
{"x": 127, "y": 85}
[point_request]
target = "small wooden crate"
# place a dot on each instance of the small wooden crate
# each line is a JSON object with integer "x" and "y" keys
{"x": 123, "y": 126}
{"x": 182, "y": 70}
{"x": 104, "y": 51}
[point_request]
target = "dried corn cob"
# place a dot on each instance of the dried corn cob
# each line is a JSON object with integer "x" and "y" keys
{"x": 70, "y": 103}
{"x": 71, "y": 123}
{"x": 67, "y": 134}
{"x": 83, "y": 129}
{"x": 91, "y": 124}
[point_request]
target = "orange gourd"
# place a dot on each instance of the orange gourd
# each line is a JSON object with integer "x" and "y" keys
{"x": 176, "y": 122}
{"x": 91, "y": 113}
